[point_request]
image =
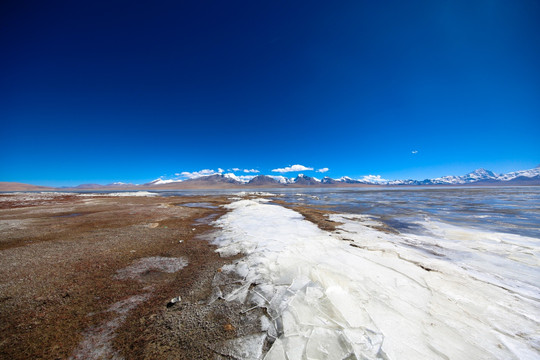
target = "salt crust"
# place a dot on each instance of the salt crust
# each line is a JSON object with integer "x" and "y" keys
{"x": 361, "y": 293}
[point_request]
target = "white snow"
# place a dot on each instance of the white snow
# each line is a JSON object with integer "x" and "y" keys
{"x": 365, "y": 293}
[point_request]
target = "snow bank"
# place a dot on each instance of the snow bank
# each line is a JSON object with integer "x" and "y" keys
{"x": 361, "y": 292}
{"x": 255, "y": 193}
{"x": 123, "y": 193}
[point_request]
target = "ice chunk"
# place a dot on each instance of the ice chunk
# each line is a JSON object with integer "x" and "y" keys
{"x": 238, "y": 294}
{"x": 269, "y": 327}
{"x": 352, "y": 311}
{"x": 276, "y": 352}
{"x": 295, "y": 346}
{"x": 365, "y": 343}
{"x": 327, "y": 344}
{"x": 247, "y": 347}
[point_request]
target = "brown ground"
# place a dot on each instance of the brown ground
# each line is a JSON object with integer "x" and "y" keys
{"x": 61, "y": 296}
{"x": 58, "y": 260}
{"x": 317, "y": 216}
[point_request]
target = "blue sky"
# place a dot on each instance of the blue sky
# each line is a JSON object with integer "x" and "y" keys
{"x": 119, "y": 91}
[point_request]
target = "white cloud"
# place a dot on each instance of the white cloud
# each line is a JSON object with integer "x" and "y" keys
{"x": 414, "y": 152}
{"x": 323, "y": 170}
{"x": 220, "y": 170}
{"x": 244, "y": 170}
{"x": 375, "y": 179}
{"x": 241, "y": 178}
{"x": 293, "y": 168}
{"x": 198, "y": 174}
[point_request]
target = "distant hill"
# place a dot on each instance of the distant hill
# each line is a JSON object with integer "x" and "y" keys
{"x": 89, "y": 186}
{"x": 15, "y": 186}
{"x": 262, "y": 180}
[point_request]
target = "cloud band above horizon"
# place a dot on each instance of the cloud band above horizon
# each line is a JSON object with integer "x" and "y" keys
{"x": 293, "y": 168}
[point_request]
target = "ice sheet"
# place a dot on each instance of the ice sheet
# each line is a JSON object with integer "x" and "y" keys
{"x": 365, "y": 293}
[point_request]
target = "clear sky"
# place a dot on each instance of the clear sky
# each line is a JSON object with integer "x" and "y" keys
{"x": 103, "y": 91}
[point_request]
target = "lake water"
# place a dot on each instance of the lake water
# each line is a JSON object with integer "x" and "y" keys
{"x": 515, "y": 210}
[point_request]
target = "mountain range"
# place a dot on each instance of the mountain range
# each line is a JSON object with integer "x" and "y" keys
{"x": 229, "y": 180}
{"x": 476, "y": 177}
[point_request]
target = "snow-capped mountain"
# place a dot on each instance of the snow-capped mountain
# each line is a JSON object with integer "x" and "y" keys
{"x": 302, "y": 179}
{"x": 216, "y": 179}
{"x": 160, "y": 181}
{"x": 347, "y": 180}
{"x": 478, "y": 176}
{"x": 475, "y": 176}
{"x": 241, "y": 179}
{"x": 328, "y": 180}
{"x": 531, "y": 173}
{"x": 282, "y": 179}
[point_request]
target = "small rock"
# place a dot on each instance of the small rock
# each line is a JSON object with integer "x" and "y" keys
{"x": 228, "y": 327}
{"x": 174, "y": 301}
